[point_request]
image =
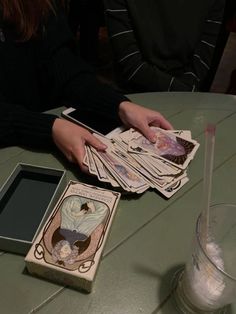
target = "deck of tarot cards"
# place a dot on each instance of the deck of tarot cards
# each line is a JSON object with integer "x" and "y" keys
{"x": 134, "y": 164}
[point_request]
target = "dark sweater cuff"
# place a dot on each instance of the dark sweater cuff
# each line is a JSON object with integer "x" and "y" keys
{"x": 95, "y": 97}
{"x": 32, "y": 129}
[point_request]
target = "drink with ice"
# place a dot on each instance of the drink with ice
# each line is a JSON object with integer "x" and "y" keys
{"x": 208, "y": 282}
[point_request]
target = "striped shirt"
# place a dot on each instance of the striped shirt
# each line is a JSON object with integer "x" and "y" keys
{"x": 163, "y": 45}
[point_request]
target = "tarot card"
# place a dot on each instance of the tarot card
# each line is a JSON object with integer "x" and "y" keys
{"x": 124, "y": 137}
{"x": 156, "y": 166}
{"x": 135, "y": 160}
{"x": 68, "y": 249}
{"x": 162, "y": 166}
{"x": 146, "y": 170}
{"x": 175, "y": 187}
{"x": 101, "y": 173}
{"x": 174, "y": 149}
{"x": 125, "y": 174}
{"x": 182, "y": 133}
{"x": 151, "y": 163}
{"x": 85, "y": 160}
{"x": 91, "y": 163}
{"x": 111, "y": 174}
{"x": 132, "y": 163}
{"x": 104, "y": 140}
{"x": 104, "y": 174}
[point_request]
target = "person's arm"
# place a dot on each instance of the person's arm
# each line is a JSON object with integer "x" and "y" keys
{"x": 197, "y": 70}
{"x": 21, "y": 127}
{"x": 73, "y": 81}
{"x": 71, "y": 138}
{"x": 84, "y": 91}
{"x": 148, "y": 77}
{"x": 76, "y": 83}
{"x": 134, "y": 68}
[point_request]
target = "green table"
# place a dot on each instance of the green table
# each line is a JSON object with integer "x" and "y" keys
{"x": 150, "y": 236}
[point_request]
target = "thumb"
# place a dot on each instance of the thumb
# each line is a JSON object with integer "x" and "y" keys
{"x": 95, "y": 142}
{"x": 149, "y": 133}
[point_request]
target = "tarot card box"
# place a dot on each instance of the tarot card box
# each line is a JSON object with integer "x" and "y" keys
{"x": 26, "y": 200}
{"x": 68, "y": 249}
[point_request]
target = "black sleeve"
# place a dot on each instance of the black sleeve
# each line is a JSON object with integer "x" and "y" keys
{"x": 74, "y": 81}
{"x": 19, "y": 126}
{"x": 70, "y": 79}
{"x": 80, "y": 87}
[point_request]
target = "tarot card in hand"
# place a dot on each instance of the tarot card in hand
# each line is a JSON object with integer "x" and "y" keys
{"x": 170, "y": 147}
{"x": 128, "y": 178}
{"x": 135, "y": 172}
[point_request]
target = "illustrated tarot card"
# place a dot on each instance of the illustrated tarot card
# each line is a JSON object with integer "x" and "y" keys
{"x": 172, "y": 148}
{"x": 69, "y": 247}
{"x": 122, "y": 171}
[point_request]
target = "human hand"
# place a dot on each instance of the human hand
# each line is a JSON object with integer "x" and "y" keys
{"x": 141, "y": 118}
{"x": 71, "y": 138}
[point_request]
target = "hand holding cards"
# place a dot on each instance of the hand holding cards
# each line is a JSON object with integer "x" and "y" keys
{"x": 135, "y": 164}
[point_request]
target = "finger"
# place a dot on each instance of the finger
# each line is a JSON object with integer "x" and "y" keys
{"x": 79, "y": 158}
{"x": 148, "y": 133}
{"x": 164, "y": 124}
{"x": 95, "y": 142}
{"x": 84, "y": 168}
{"x": 161, "y": 122}
{"x": 76, "y": 160}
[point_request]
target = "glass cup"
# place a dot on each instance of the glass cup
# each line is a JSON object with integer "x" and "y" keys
{"x": 208, "y": 282}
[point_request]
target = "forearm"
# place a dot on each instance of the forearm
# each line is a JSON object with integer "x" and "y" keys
{"x": 200, "y": 63}
{"x": 136, "y": 72}
{"x": 19, "y": 126}
{"x": 75, "y": 83}
{"x": 95, "y": 98}
{"x": 142, "y": 76}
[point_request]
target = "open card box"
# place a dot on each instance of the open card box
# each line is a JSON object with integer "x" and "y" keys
{"x": 26, "y": 200}
{"x": 68, "y": 249}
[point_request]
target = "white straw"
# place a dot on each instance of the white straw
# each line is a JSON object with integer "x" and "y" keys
{"x": 207, "y": 179}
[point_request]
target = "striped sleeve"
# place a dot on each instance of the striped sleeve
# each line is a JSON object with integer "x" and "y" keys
{"x": 135, "y": 70}
{"x": 204, "y": 52}
{"x": 143, "y": 76}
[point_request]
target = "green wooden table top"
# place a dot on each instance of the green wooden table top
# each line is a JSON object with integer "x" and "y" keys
{"x": 150, "y": 237}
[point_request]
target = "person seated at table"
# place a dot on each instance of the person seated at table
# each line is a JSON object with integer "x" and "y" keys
{"x": 163, "y": 45}
{"x": 41, "y": 69}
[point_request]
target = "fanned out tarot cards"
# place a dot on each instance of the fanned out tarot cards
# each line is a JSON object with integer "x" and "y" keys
{"x": 134, "y": 164}
{"x": 69, "y": 247}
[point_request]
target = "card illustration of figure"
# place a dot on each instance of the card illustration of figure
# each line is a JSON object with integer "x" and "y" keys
{"x": 79, "y": 218}
{"x": 172, "y": 148}
{"x": 129, "y": 176}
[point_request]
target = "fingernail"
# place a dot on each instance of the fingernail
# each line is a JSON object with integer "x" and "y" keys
{"x": 103, "y": 147}
{"x": 153, "y": 139}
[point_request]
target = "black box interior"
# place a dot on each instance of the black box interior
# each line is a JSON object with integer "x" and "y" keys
{"x": 24, "y": 204}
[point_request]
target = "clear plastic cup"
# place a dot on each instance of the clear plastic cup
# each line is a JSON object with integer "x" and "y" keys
{"x": 208, "y": 282}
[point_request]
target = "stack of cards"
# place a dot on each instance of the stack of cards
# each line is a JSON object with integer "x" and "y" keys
{"x": 135, "y": 164}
